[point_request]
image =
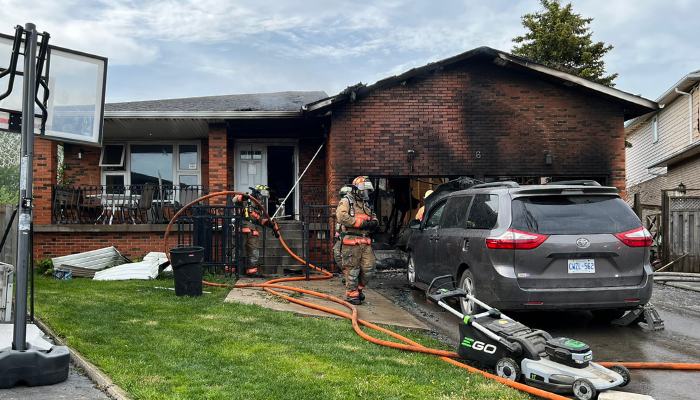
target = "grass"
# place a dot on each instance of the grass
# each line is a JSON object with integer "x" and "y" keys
{"x": 155, "y": 345}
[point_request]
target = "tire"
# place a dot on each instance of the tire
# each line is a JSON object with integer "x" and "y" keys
{"x": 411, "y": 271}
{"x": 624, "y": 372}
{"x": 584, "y": 389}
{"x": 508, "y": 369}
{"x": 467, "y": 283}
{"x": 607, "y": 315}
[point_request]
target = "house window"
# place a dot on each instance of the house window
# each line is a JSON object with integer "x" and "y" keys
{"x": 158, "y": 163}
{"x": 655, "y": 128}
{"x": 251, "y": 154}
{"x": 112, "y": 155}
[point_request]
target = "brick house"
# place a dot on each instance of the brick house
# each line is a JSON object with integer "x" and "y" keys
{"x": 484, "y": 114}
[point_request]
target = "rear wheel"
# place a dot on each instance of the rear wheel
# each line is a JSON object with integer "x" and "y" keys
{"x": 411, "y": 271}
{"x": 507, "y": 368}
{"x": 624, "y": 372}
{"x": 584, "y": 389}
{"x": 607, "y": 315}
{"x": 466, "y": 283}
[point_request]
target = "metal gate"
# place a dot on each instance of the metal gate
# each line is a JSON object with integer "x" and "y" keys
{"x": 319, "y": 236}
{"x": 213, "y": 228}
{"x": 683, "y": 233}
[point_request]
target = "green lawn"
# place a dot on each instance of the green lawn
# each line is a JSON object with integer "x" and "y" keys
{"x": 156, "y": 345}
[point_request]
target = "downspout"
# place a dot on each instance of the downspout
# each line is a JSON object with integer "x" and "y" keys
{"x": 690, "y": 112}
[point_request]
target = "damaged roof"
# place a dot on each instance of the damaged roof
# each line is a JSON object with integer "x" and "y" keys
{"x": 199, "y": 106}
{"x": 634, "y": 106}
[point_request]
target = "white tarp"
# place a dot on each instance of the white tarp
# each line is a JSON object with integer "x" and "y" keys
{"x": 145, "y": 270}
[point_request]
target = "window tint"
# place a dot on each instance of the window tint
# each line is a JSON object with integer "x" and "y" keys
{"x": 435, "y": 214}
{"x": 456, "y": 212}
{"x": 484, "y": 212}
{"x": 573, "y": 215}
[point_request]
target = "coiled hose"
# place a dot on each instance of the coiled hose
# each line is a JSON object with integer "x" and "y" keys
{"x": 410, "y": 345}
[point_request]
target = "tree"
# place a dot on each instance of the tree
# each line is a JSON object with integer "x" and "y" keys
{"x": 9, "y": 167}
{"x": 561, "y": 39}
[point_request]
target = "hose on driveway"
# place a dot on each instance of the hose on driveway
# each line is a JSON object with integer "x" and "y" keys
{"x": 410, "y": 345}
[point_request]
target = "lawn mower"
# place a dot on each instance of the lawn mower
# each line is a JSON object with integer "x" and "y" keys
{"x": 518, "y": 353}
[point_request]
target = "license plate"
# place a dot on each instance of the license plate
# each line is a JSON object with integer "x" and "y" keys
{"x": 582, "y": 266}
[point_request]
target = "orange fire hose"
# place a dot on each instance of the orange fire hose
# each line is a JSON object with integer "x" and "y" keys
{"x": 447, "y": 356}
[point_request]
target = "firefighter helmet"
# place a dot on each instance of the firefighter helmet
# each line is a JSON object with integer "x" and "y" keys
{"x": 263, "y": 190}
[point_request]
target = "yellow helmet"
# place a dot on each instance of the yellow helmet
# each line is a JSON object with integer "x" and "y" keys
{"x": 427, "y": 193}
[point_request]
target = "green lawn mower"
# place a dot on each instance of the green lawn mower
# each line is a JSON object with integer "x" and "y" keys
{"x": 518, "y": 353}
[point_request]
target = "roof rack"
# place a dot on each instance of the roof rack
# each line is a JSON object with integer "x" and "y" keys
{"x": 509, "y": 184}
{"x": 582, "y": 182}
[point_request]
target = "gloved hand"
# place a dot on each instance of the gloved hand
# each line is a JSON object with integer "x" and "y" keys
{"x": 370, "y": 225}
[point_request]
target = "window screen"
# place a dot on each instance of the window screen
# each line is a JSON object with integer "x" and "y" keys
{"x": 435, "y": 214}
{"x": 456, "y": 212}
{"x": 484, "y": 212}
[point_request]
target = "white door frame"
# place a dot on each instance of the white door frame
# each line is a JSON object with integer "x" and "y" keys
{"x": 239, "y": 144}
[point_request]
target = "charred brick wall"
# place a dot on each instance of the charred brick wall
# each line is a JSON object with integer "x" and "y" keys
{"x": 314, "y": 182}
{"x": 130, "y": 244}
{"x": 477, "y": 119}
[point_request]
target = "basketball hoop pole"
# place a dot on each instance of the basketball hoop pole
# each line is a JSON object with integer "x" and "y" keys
{"x": 19, "y": 339}
{"x": 34, "y": 363}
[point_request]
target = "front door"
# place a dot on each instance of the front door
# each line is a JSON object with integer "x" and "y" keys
{"x": 251, "y": 166}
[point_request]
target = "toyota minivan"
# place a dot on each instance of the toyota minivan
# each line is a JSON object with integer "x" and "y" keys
{"x": 563, "y": 246}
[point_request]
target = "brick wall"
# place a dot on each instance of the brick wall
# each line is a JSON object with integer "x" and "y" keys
{"x": 45, "y": 164}
{"x": 130, "y": 244}
{"x": 316, "y": 175}
{"x": 218, "y": 163}
{"x": 480, "y": 120}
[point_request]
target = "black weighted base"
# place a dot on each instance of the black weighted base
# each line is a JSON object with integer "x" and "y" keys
{"x": 34, "y": 368}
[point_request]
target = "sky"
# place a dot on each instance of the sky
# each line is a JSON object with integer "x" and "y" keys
{"x": 161, "y": 49}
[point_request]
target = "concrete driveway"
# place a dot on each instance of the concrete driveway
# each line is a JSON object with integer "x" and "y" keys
{"x": 679, "y": 342}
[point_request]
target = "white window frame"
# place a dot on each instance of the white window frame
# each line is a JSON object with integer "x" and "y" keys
{"x": 125, "y": 168}
{"x": 102, "y": 156}
{"x": 655, "y": 129}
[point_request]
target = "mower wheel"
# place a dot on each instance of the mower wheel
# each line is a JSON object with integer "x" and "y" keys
{"x": 584, "y": 389}
{"x": 507, "y": 368}
{"x": 467, "y": 283}
{"x": 624, "y": 372}
{"x": 411, "y": 271}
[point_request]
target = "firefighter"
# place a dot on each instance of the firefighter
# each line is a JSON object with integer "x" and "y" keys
{"x": 338, "y": 239}
{"x": 252, "y": 217}
{"x": 419, "y": 214}
{"x": 357, "y": 221}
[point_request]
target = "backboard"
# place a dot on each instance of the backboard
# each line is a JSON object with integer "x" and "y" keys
{"x": 76, "y": 95}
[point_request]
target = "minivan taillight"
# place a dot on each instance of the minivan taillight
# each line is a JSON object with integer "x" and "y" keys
{"x": 639, "y": 237}
{"x": 515, "y": 239}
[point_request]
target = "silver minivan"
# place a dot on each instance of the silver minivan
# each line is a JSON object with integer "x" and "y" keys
{"x": 540, "y": 247}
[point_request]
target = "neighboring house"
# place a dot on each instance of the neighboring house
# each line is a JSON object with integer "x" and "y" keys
{"x": 665, "y": 153}
{"x": 484, "y": 114}
{"x": 665, "y": 148}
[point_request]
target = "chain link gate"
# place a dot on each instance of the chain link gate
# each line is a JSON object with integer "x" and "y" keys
{"x": 213, "y": 228}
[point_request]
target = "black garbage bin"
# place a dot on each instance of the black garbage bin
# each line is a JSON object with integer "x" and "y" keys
{"x": 187, "y": 270}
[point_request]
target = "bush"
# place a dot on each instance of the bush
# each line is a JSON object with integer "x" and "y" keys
{"x": 44, "y": 266}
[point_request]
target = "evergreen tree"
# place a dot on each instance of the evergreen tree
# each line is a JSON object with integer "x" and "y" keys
{"x": 559, "y": 38}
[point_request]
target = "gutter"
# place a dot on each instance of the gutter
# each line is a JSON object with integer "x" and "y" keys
{"x": 201, "y": 114}
{"x": 690, "y": 112}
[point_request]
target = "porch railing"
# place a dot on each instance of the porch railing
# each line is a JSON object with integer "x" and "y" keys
{"x": 120, "y": 204}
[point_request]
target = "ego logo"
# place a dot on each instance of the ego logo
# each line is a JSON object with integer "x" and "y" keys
{"x": 480, "y": 346}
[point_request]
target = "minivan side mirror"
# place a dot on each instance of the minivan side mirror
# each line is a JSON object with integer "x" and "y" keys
{"x": 414, "y": 224}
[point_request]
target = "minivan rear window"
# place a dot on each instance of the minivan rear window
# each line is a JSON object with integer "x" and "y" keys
{"x": 573, "y": 215}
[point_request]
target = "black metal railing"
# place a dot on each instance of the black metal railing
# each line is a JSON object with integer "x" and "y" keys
{"x": 319, "y": 236}
{"x": 120, "y": 204}
{"x": 218, "y": 230}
